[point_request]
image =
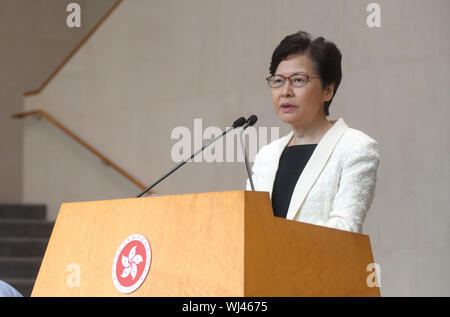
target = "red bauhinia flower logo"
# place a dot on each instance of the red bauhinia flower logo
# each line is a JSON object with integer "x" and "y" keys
{"x": 131, "y": 263}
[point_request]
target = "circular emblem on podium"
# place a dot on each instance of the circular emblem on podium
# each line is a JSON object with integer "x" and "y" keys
{"x": 131, "y": 263}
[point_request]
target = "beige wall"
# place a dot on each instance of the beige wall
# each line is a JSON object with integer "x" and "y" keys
{"x": 156, "y": 65}
{"x": 35, "y": 40}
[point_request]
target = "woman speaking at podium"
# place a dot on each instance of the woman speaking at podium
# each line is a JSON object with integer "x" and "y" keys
{"x": 322, "y": 172}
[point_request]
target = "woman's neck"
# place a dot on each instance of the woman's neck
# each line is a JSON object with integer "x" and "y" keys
{"x": 310, "y": 133}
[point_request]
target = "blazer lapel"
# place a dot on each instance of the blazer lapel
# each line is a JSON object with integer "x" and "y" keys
{"x": 315, "y": 165}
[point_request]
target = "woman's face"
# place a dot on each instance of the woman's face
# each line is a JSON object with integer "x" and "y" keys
{"x": 306, "y": 101}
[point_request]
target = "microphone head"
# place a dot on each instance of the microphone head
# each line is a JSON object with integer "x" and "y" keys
{"x": 251, "y": 120}
{"x": 239, "y": 122}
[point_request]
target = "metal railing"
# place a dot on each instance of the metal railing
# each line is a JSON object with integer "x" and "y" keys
{"x": 103, "y": 158}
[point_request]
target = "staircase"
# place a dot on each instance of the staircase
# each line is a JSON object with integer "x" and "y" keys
{"x": 24, "y": 234}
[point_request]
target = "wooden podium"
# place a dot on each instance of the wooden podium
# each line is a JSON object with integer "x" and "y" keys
{"x": 224, "y": 244}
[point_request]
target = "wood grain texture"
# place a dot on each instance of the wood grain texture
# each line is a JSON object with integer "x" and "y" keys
{"x": 196, "y": 240}
{"x": 291, "y": 258}
{"x": 209, "y": 244}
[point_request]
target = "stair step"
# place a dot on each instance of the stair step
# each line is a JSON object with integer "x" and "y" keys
{"x": 28, "y": 211}
{"x": 25, "y": 228}
{"x": 23, "y": 285}
{"x": 19, "y": 267}
{"x": 16, "y": 247}
{"x": 24, "y": 236}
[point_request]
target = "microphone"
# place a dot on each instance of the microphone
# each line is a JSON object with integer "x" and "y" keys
{"x": 236, "y": 124}
{"x": 250, "y": 121}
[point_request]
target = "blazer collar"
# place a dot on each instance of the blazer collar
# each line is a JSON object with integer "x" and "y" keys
{"x": 313, "y": 168}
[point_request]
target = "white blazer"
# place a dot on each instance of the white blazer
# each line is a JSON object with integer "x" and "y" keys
{"x": 337, "y": 185}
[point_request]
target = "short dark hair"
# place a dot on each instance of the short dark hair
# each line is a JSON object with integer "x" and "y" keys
{"x": 325, "y": 55}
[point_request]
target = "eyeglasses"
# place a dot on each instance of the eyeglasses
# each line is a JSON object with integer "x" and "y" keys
{"x": 296, "y": 80}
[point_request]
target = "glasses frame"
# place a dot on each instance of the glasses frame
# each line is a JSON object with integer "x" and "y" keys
{"x": 308, "y": 77}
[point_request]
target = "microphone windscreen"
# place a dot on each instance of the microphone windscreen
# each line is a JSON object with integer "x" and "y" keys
{"x": 239, "y": 122}
{"x": 252, "y": 120}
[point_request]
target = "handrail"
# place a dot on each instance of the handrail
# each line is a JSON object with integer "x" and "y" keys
{"x": 72, "y": 53}
{"x": 102, "y": 157}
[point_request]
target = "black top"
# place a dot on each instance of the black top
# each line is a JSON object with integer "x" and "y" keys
{"x": 292, "y": 162}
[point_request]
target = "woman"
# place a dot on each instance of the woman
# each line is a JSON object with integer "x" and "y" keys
{"x": 322, "y": 172}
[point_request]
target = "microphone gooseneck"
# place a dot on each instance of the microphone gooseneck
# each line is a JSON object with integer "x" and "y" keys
{"x": 236, "y": 124}
{"x": 250, "y": 121}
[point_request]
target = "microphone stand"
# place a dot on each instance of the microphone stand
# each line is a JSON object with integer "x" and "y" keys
{"x": 246, "y": 159}
{"x": 182, "y": 163}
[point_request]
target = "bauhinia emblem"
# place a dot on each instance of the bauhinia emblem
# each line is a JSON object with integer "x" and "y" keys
{"x": 131, "y": 263}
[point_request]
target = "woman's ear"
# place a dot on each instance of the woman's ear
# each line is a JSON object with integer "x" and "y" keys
{"x": 328, "y": 92}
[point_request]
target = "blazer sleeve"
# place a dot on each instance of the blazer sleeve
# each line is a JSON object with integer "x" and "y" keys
{"x": 356, "y": 187}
